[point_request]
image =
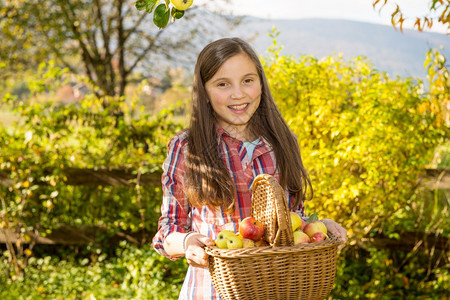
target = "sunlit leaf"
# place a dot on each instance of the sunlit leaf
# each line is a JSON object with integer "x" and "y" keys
{"x": 161, "y": 16}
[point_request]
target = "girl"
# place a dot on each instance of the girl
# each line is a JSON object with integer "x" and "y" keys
{"x": 236, "y": 132}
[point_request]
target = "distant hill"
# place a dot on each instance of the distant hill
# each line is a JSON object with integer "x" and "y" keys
{"x": 389, "y": 50}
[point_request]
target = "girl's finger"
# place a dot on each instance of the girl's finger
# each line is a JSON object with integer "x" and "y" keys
{"x": 197, "y": 257}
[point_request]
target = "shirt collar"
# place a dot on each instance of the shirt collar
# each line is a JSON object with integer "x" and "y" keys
{"x": 223, "y": 135}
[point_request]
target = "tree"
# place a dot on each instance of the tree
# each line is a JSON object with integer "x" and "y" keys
{"x": 107, "y": 41}
{"x": 439, "y": 12}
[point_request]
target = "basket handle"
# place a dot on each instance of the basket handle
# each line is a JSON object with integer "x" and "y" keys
{"x": 269, "y": 206}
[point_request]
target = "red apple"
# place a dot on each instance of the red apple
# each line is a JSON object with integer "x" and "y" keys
{"x": 318, "y": 237}
{"x": 302, "y": 227}
{"x": 314, "y": 227}
{"x": 250, "y": 228}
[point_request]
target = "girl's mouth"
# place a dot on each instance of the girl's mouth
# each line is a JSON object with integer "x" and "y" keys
{"x": 238, "y": 107}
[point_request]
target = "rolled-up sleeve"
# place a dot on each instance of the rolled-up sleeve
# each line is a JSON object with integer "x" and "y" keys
{"x": 175, "y": 208}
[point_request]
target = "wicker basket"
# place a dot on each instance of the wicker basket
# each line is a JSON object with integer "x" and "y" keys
{"x": 281, "y": 270}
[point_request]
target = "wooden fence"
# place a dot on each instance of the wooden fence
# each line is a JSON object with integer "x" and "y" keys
{"x": 66, "y": 235}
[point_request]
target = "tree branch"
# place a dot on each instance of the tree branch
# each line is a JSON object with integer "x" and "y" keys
{"x": 144, "y": 52}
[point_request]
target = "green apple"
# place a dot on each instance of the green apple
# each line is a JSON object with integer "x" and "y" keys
{"x": 221, "y": 242}
{"x": 234, "y": 242}
{"x": 182, "y": 4}
{"x": 223, "y": 237}
{"x": 227, "y": 233}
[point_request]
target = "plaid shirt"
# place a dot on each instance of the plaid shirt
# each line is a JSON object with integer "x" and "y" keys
{"x": 177, "y": 215}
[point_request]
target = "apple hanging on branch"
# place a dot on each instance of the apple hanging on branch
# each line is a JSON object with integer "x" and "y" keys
{"x": 162, "y": 13}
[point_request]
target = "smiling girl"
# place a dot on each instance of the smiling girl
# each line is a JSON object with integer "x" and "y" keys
{"x": 236, "y": 132}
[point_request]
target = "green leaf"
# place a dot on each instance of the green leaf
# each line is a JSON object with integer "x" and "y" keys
{"x": 177, "y": 14}
{"x": 148, "y": 5}
{"x": 312, "y": 218}
{"x": 161, "y": 16}
{"x": 140, "y": 4}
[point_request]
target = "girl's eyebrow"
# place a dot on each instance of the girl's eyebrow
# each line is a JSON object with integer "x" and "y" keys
{"x": 225, "y": 78}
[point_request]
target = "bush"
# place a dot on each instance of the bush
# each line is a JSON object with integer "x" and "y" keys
{"x": 132, "y": 273}
{"x": 365, "y": 139}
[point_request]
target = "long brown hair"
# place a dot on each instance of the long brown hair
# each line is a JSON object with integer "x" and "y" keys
{"x": 208, "y": 182}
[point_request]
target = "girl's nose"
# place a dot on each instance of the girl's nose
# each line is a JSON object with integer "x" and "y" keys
{"x": 237, "y": 93}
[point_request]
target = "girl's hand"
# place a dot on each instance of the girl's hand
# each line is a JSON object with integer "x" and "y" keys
{"x": 335, "y": 229}
{"x": 195, "y": 252}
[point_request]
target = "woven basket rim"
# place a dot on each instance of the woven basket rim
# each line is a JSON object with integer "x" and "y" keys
{"x": 214, "y": 251}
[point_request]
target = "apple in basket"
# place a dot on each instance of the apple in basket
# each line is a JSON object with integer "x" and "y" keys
{"x": 247, "y": 243}
{"x": 261, "y": 243}
{"x": 318, "y": 237}
{"x": 234, "y": 242}
{"x": 296, "y": 221}
{"x": 300, "y": 237}
{"x": 252, "y": 229}
{"x": 227, "y": 239}
{"x": 313, "y": 225}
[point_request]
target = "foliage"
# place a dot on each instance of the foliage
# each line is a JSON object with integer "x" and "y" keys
{"x": 439, "y": 12}
{"x": 161, "y": 12}
{"x": 52, "y": 137}
{"x": 385, "y": 274}
{"x": 110, "y": 42}
{"x": 366, "y": 139}
{"x": 131, "y": 273}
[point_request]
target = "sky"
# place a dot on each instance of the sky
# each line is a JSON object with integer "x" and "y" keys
{"x": 356, "y": 10}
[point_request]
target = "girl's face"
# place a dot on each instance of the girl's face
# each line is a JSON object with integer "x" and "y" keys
{"x": 235, "y": 94}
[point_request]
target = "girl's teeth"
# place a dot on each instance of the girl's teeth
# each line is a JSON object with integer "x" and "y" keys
{"x": 238, "y": 106}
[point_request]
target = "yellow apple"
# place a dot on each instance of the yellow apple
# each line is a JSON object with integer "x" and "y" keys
{"x": 234, "y": 242}
{"x": 300, "y": 237}
{"x": 182, "y": 4}
{"x": 247, "y": 243}
{"x": 295, "y": 220}
{"x": 261, "y": 243}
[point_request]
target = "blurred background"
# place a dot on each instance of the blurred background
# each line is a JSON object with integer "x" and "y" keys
{"x": 92, "y": 91}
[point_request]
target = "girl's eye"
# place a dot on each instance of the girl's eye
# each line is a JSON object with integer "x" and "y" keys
{"x": 222, "y": 84}
{"x": 248, "y": 80}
